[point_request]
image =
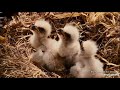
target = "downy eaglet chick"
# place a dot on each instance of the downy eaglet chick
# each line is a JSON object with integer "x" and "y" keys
{"x": 41, "y": 29}
{"x": 49, "y": 56}
{"x": 88, "y": 66}
{"x": 69, "y": 44}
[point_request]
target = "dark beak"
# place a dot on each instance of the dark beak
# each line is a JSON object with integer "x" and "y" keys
{"x": 60, "y": 31}
{"x": 32, "y": 27}
{"x": 64, "y": 34}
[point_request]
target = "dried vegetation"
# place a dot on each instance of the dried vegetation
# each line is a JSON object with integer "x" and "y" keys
{"x": 102, "y": 27}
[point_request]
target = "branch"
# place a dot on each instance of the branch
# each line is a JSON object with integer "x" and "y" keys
{"x": 106, "y": 62}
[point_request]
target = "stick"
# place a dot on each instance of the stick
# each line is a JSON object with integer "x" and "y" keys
{"x": 106, "y": 62}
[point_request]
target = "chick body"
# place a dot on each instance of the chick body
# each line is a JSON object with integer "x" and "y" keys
{"x": 49, "y": 57}
{"x": 87, "y": 65}
{"x": 69, "y": 44}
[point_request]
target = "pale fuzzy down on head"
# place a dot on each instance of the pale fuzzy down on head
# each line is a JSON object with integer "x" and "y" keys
{"x": 70, "y": 49}
{"x": 90, "y": 48}
{"x": 87, "y": 63}
{"x": 44, "y": 24}
{"x": 72, "y": 30}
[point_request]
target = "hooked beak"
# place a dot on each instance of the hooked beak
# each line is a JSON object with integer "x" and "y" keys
{"x": 63, "y": 34}
{"x": 60, "y": 31}
{"x": 33, "y": 27}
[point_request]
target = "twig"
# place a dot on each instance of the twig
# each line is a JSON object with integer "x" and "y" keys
{"x": 106, "y": 62}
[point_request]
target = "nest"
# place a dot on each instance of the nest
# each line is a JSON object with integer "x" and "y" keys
{"x": 102, "y": 27}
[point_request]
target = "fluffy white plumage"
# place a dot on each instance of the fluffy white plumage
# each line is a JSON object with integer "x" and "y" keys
{"x": 49, "y": 56}
{"x": 69, "y": 43}
{"x": 52, "y": 59}
{"x": 55, "y": 54}
{"x": 37, "y": 58}
{"x": 44, "y": 24}
{"x": 39, "y": 36}
{"x": 88, "y": 66}
{"x": 90, "y": 48}
{"x": 73, "y": 31}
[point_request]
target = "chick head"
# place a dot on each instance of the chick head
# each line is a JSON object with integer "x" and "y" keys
{"x": 69, "y": 33}
{"x": 41, "y": 27}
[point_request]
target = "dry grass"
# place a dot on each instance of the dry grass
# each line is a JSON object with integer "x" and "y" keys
{"x": 103, "y": 27}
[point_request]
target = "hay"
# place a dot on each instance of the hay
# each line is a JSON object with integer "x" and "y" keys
{"x": 103, "y": 27}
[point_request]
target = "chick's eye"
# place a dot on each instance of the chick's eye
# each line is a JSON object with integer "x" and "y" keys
{"x": 67, "y": 36}
{"x": 42, "y": 30}
{"x": 33, "y": 27}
